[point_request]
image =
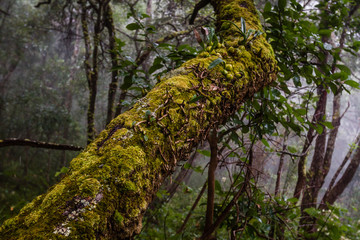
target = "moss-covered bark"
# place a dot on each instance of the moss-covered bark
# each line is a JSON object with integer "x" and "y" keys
{"x": 110, "y": 184}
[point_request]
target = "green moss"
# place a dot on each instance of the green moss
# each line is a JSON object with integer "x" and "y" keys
{"x": 118, "y": 218}
{"x": 89, "y": 187}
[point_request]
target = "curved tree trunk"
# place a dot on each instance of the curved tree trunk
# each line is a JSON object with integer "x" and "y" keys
{"x": 109, "y": 186}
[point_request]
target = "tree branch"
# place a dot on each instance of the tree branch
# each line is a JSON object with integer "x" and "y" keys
{"x": 37, "y": 144}
{"x": 197, "y": 8}
{"x": 42, "y": 3}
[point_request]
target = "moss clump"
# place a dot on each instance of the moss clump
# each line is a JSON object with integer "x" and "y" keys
{"x": 89, "y": 187}
{"x": 118, "y": 218}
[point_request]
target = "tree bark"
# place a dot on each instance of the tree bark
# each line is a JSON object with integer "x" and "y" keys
{"x": 109, "y": 186}
{"x": 334, "y": 191}
{"x": 109, "y": 24}
{"x": 213, "y": 142}
{"x": 91, "y": 69}
{"x": 281, "y": 163}
{"x": 300, "y": 184}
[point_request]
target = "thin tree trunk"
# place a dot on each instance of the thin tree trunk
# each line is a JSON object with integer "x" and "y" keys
{"x": 341, "y": 167}
{"x": 325, "y": 160}
{"x": 300, "y": 184}
{"x": 334, "y": 191}
{"x": 213, "y": 142}
{"x": 222, "y": 216}
{"x": 281, "y": 163}
{"x": 91, "y": 69}
{"x": 315, "y": 174}
{"x": 109, "y": 23}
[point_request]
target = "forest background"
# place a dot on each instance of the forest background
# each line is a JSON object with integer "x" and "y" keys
{"x": 68, "y": 68}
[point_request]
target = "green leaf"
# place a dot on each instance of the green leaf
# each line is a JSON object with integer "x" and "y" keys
{"x": 150, "y": 29}
{"x": 235, "y": 137}
{"x": 206, "y": 153}
{"x": 319, "y": 129}
{"x": 147, "y": 113}
{"x": 282, "y": 5}
{"x": 296, "y": 80}
{"x": 240, "y": 30}
{"x": 328, "y": 125}
{"x": 128, "y": 81}
{"x": 155, "y": 67}
{"x": 126, "y": 63}
{"x": 301, "y": 111}
{"x": 195, "y": 98}
{"x": 187, "y": 166}
{"x": 339, "y": 75}
{"x": 293, "y": 200}
{"x": 144, "y": 15}
{"x": 325, "y": 32}
{"x": 356, "y": 45}
{"x": 146, "y": 137}
{"x": 312, "y": 212}
{"x": 267, "y": 7}
{"x": 243, "y": 25}
{"x": 215, "y": 63}
{"x": 265, "y": 142}
{"x": 352, "y": 83}
{"x": 344, "y": 68}
{"x": 245, "y": 129}
{"x": 218, "y": 188}
{"x": 291, "y": 149}
{"x": 333, "y": 87}
{"x": 133, "y": 26}
{"x": 63, "y": 170}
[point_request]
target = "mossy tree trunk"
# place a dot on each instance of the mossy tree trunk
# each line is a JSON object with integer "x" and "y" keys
{"x": 109, "y": 186}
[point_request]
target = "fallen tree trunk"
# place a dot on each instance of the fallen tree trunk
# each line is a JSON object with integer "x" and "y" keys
{"x": 109, "y": 185}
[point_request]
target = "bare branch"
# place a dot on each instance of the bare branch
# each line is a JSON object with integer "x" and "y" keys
{"x": 42, "y": 3}
{"x": 37, "y": 144}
